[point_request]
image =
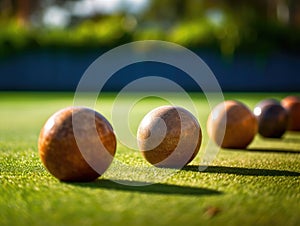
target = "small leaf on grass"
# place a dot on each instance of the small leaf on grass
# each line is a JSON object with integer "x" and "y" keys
{"x": 211, "y": 211}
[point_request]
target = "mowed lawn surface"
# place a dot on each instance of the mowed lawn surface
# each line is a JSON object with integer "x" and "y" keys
{"x": 256, "y": 186}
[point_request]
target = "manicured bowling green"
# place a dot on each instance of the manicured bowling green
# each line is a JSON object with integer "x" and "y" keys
{"x": 258, "y": 185}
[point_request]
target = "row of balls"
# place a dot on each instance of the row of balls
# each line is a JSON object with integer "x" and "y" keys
{"x": 232, "y": 124}
{"x": 79, "y": 144}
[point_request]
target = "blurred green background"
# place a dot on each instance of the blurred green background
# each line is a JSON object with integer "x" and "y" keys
{"x": 46, "y": 45}
{"x": 223, "y": 25}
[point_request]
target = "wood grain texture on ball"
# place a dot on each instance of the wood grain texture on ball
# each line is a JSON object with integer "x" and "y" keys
{"x": 231, "y": 124}
{"x": 69, "y": 157}
{"x": 169, "y": 136}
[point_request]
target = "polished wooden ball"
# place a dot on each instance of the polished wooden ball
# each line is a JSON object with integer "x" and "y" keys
{"x": 272, "y": 118}
{"x": 231, "y": 124}
{"x": 292, "y": 105}
{"x": 169, "y": 136}
{"x": 77, "y": 144}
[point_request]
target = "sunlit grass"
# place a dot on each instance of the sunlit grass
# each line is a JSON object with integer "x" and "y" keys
{"x": 257, "y": 186}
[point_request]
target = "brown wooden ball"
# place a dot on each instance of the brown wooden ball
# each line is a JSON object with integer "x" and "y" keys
{"x": 169, "y": 136}
{"x": 272, "y": 118}
{"x": 79, "y": 156}
{"x": 292, "y": 105}
{"x": 231, "y": 124}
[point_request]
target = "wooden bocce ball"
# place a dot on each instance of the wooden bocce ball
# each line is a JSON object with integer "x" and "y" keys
{"x": 292, "y": 105}
{"x": 231, "y": 124}
{"x": 64, "y": 154}
{"x": 169, "y": 136}
{"x": 272, "y": 118}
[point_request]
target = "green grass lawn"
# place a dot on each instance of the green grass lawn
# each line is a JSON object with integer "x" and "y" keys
{"x": 257, "y": 186}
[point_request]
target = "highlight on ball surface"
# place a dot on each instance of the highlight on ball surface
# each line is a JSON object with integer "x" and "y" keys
{"x": 169, "y": 136}
{"x": 238, "y": 122}
{"x": 77, "y": 144}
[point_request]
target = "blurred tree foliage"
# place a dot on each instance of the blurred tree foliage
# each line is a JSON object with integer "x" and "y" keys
{"x": 227, "y": 26}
